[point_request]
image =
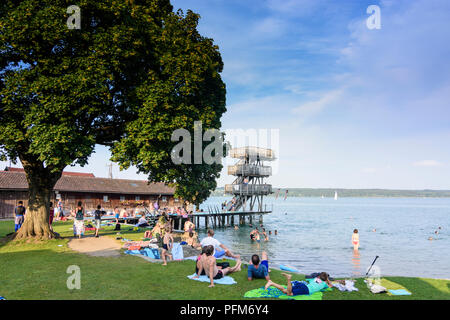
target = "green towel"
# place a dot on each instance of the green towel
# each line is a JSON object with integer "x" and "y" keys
{"x": 272, "y": 292}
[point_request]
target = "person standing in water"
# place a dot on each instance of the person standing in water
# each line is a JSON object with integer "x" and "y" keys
{"x": 355, "y": 239}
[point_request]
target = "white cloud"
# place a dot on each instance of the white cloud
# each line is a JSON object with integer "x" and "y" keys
{"x": 427, "y": 163}
{"x": 313, "y": 107}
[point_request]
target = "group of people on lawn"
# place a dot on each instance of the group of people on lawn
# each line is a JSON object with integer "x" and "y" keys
{"x": 258, "y": 268}
{"x": 211, "y": 249}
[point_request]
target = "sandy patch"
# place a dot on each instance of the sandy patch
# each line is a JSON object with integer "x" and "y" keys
{"x": 98, "y": 247}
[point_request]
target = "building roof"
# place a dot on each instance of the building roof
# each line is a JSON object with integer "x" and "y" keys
{"x": 65, "y": 173}
{"x": 16, "y": 180}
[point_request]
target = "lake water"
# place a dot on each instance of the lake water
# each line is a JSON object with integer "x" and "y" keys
{"x": 314, "y": 234}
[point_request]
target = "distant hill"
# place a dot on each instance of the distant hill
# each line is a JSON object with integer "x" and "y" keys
{"x": 362, "y": 193}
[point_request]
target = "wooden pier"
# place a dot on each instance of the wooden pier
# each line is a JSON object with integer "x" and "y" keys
{"x": 226, "y": 219}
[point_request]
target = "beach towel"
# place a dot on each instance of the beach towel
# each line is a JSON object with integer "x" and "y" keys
{"x": 224, "y": 280}
{"x": 151, "y": 253}
{"x": 272, "y": 292}
{"x": 177, "y": 252}
{"x": 132, "y": 252}
{"x": 399, "y": 292}
{"x": 394, "y": 288}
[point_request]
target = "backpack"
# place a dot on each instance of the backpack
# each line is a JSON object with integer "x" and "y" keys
{"x": 117, "y": 227}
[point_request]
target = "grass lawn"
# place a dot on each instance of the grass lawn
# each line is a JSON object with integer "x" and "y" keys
{"x": 37, "y": 270}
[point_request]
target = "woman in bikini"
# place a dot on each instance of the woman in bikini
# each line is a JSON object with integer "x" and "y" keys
{"x": 355, "y": 239}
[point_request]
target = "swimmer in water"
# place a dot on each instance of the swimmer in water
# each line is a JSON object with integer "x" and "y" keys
{"x": 253, "y": 234}
{"x": 374, "y": 230}
{"x": 270, "y": 232}
{"x": 355, "y": 239}
{"x": 236, "y": 228}
{"x": 430, "y": 238}
{"x": 257, "y": 238}
{"x": 276, "y": 232}
{"x": 266, "y": 238}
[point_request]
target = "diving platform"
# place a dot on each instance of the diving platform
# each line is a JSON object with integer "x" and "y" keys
{"x": 248, "y": 189}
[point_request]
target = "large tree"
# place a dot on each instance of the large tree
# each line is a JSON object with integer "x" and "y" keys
{"x": 134, "y": 72}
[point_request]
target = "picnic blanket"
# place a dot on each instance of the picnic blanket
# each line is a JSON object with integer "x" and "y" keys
{"x": 394, "y": 288}
{"x": 272, "y": 292}
{"x": 224, "y": 280}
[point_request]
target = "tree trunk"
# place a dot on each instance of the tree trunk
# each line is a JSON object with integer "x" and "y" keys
{"x": 40, "y": 186}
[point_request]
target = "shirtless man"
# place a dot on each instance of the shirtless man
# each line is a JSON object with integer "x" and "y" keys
{"x": 208, "y": 263}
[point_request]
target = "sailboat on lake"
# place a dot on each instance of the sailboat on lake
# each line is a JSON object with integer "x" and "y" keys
{"x": 335, "y": 195}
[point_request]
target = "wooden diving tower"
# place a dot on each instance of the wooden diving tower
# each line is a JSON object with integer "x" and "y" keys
{"x": 249, "y": 189}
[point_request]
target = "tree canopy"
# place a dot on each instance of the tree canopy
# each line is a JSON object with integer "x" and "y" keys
{"x": 133, "y": 73}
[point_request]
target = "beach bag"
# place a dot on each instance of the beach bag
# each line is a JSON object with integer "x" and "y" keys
{"x": 117, "y": 227}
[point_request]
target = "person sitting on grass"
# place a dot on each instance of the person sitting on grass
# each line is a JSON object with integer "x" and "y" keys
{"x": 192, "y": 241}
{"x": 219, "y": 249}
{"x": 142, "y": 222}
{"x": 208, "y": 264}
{"x": 258, "y": 269}
{"x": 295, "y": 288}
{"x": 167, "y": 246}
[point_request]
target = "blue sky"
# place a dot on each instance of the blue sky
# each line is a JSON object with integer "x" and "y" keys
{"x": 355, "y": 108}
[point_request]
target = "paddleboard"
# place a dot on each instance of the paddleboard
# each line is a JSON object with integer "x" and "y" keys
{"x": 288, "y": 268}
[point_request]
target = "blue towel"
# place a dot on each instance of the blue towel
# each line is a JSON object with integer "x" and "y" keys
{"x": 177, "y": 252}
{"x": 132, "y": 252}
{"x": 156, "y": 253}
{"x": 224, "y": 280}
{"x": 148, "y": 252}
{"x": 400, "y": 292}
{"x": 151, "y": 253}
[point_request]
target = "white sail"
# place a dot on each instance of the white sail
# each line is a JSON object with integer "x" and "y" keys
{"x": 335, "y": 195}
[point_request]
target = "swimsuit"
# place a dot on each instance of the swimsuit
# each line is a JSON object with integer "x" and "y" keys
{"x": 219, "y": 275}
{"x": 299, "y": 288}
{"x": 165, "y": 247}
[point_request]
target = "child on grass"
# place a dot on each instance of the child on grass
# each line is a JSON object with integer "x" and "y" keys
{"x": 167, "y": 246}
